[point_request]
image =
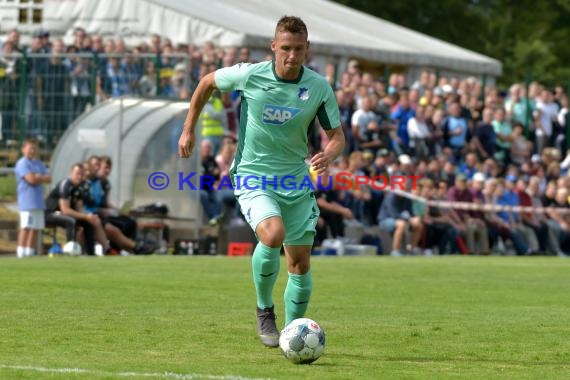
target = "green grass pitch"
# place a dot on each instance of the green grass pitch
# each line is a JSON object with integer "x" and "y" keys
{"x": 193, "y": 317}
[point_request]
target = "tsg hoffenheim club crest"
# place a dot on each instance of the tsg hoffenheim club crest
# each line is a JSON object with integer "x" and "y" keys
{"x": 303, "y": 93}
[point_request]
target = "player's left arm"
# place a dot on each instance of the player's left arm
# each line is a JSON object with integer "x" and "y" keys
{"x": 225, "y": 79}
{"x": 329, "y": 118}
{"x": 333, "y": 149}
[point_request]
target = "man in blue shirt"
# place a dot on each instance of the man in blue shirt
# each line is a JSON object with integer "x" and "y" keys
{"x": 469, "y": 167}
{"x": 31, "y": 174}
{"x": 401, "y": 116}
{"x": 518, "y": 235}
{"x": 456, "y": 129}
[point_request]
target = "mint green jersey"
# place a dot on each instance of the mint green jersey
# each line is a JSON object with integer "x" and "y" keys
{"x": 274, "y": 123}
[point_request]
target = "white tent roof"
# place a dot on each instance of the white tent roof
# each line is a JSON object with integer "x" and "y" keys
{"x": 333, "y": 30}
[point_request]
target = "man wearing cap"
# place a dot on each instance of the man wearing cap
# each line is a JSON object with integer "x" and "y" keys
{"x": 405, "y": 166}
{"x": 477, "y": 184}
{"x": 43, "y": 35}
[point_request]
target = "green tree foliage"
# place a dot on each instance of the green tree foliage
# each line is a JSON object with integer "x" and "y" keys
{"x": 528, "y": 37}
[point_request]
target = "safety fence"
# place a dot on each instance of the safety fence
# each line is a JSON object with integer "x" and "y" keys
{"x": 483, "y": 207}
{"x": 466, "y": 206}
{"x": 41, "y": 94}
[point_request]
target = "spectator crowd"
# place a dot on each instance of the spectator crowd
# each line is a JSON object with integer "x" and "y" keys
{"x": 469, "y": 142}
{"x": 51, "y": 83}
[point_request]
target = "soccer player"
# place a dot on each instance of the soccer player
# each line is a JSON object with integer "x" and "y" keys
{"x": 279, "y": 101}
{"x": 31, "y": 174}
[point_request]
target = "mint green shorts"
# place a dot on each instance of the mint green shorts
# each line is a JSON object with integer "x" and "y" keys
{"x": 299, "y": 215}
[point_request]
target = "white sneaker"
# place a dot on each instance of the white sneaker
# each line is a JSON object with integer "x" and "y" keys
{"x": 124, "y": 253}
{"x": 428, "y": 252}
{"x": 396, "y": 254}
{"x": 99, "y": 250}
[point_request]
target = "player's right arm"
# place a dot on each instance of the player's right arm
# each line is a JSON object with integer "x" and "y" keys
{"x": 199, "y": 99}
{"x": 226, "y": 79}
{"x": 66, "y": 209}
{"x": 65, "y": 190}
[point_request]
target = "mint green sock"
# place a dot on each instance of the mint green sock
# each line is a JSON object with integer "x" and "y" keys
{"x": 297, "y": 295}
{"x": 265, "y": 267}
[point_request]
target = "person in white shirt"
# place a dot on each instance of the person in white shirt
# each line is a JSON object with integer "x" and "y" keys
{"x": 419, "y": 132}
{"x": 360, "y": 119}
{"x": 563, "y": 111}
{"x": 546, "y": 112}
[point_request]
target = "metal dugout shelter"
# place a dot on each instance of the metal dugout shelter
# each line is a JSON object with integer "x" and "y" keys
{"x": 141, "y": 137}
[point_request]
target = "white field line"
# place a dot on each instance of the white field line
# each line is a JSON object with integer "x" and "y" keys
{"x": 158, "y": 375}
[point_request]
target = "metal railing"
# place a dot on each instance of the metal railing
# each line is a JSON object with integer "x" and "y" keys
{"x": 41, "y": 94}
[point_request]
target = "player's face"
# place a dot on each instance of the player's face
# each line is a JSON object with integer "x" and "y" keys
{"x": 290, "y": 50}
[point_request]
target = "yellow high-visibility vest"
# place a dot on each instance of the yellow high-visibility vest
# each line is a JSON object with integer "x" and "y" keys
{"x": 210, "y": 125}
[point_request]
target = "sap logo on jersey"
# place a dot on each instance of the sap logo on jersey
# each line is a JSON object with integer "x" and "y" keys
{"x": 278, "y": 115}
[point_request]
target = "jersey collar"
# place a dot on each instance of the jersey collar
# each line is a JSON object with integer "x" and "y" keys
{"x": 294, "y": 81}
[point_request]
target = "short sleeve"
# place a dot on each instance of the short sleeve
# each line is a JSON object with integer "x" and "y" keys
{"x": 65, "y": 190}
{"x": 22, "y": 168}
{"x": 328, "y": 113}
{"x": 233, "y": 77}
